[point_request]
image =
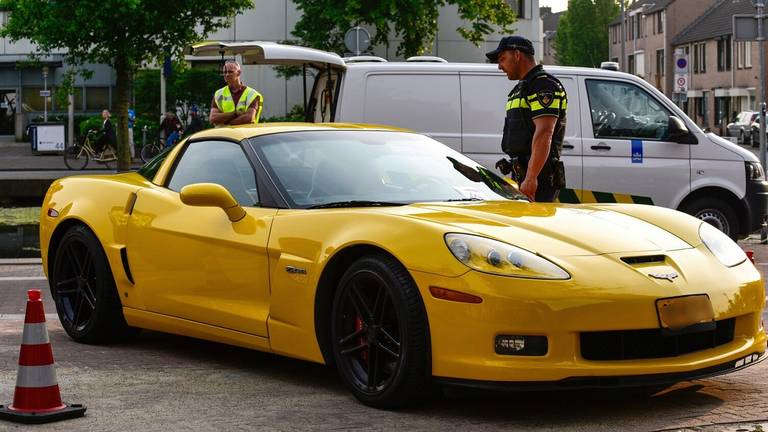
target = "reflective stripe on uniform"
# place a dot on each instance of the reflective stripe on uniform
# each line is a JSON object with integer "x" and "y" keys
{"x": 36, "y": 376}
{"x": 35, "y": 334}
{"x": 517, "y": 103}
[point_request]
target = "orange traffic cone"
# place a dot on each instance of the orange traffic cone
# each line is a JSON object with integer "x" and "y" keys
{"x": 37, "y": 398}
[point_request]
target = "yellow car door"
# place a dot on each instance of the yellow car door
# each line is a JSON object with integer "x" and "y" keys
{"x": 193, "y": 262}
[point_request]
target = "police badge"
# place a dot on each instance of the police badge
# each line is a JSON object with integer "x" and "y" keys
{"x": 546, "y": 98}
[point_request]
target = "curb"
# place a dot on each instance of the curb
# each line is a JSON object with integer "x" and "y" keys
{"x": 21, "y": 261}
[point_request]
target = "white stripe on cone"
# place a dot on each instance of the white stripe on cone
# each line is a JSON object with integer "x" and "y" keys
{"x": 36, "y": 376}
{"x": 35, "y": 334}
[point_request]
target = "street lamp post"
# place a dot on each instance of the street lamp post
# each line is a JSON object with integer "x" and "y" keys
{"x": 623, "y": 39}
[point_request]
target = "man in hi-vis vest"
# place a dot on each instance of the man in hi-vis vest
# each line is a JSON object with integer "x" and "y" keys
{"x": 235, "y": 103}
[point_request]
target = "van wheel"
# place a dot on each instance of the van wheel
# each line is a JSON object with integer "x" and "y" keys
{"x": 715, "y": 212}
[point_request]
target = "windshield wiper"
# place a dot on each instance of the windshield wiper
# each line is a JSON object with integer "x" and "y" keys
{"x": 463, "y": 199}
{"x": 356, "y": 203}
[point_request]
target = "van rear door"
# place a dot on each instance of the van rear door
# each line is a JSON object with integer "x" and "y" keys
{"x": 272, "y": 53}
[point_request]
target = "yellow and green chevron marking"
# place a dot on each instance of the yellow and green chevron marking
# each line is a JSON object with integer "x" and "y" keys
{"x": 571, "y": 196}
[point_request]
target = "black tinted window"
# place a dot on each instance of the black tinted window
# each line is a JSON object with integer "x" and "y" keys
{"x": 220, "y": 162}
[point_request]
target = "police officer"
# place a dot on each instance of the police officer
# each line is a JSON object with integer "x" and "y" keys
{"x": 235, "y": 103}
{"x": 534, "y": 126}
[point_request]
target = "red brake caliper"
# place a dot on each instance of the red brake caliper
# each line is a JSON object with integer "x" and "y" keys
{"x": 361, "y": 339}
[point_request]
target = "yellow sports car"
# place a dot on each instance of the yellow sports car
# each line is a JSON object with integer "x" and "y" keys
{"x": 398, "y": 261}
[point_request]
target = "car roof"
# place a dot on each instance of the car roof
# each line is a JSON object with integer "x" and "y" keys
{"x": 241, "y": 132}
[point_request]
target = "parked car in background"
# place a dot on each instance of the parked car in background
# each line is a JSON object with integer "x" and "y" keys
{"x": 741, "y": 127}
{"x": 755, "y": 138}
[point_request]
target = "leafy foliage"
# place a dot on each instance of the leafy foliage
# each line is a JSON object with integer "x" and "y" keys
{"x": 123, "y": 33}
{"x": 582, "y": 34}
{"x": 324, "y": 22}
{"x": 184, "y": 88}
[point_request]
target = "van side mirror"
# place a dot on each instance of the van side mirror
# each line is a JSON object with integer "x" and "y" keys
{"x": 212, "y": 195}
{"x": 678, "y": 132}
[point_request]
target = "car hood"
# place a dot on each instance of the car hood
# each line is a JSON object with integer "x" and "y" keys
{"x": 551, "y": 229}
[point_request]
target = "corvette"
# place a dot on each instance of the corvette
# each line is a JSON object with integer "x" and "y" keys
{"x": 397, "y": 261}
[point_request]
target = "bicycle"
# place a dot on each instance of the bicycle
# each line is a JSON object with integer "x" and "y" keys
{"x": 77, "y": 156}
{"x": 149, "y": 151}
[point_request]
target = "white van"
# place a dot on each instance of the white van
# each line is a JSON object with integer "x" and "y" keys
{"x": 624, "y": 142}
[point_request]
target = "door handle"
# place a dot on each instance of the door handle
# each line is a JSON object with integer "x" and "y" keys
{"x": 601, "y": 146}
{"x": 568, "y": 146}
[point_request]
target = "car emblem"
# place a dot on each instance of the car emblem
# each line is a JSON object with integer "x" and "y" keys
{"x": 668, "y": 276}
{"x": 295, "y": 270}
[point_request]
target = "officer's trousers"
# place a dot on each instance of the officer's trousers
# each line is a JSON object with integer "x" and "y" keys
{"x": 546, "y": 192}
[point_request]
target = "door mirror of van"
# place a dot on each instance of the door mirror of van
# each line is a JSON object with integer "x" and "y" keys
{"x": 678, "y": 132}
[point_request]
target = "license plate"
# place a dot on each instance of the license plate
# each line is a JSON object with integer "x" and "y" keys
{"x": 679, "y": 312}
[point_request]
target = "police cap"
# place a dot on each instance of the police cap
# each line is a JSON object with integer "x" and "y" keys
{"x": 510, "y": 42}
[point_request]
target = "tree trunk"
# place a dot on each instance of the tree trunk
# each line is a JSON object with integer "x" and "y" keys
{"x": 123, "y": 89}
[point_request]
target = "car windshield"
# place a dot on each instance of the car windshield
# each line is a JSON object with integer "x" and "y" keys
{"x": 338, "y": 168}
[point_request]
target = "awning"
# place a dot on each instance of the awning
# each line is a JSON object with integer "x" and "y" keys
{"x": 741, "y": 92}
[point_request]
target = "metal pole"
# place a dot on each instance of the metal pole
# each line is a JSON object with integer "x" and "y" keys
{"x": 45, "y": 98}
{"x": 71, "y": 120}
{"x": 623, "y": 60}
{"x": 162, "y": 92}
{"x": 760, "y": 4}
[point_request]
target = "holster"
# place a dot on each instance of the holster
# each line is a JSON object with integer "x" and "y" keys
{"x": 553, "y": 172}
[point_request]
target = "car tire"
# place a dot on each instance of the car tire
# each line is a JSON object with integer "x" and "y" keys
{"x": 717, "y": 212}
{"x": 378, "y": 304}
{"x": 84, "y": 291}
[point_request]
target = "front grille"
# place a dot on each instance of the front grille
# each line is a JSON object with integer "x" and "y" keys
{"x": 646, "y": 344}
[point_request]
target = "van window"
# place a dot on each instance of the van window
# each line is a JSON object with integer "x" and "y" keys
{"x": 624, "y": 110}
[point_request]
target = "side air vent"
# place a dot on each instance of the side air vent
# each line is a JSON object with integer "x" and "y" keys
{"x": 126, "y": 267}
{"x": 643, "y": 259}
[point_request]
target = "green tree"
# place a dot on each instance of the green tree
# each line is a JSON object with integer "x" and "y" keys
{"x": 123, "y": 33}
{"x": 184, "y": 88}
{"x": 582, "y": 34}
{"x": 324, "y": 22}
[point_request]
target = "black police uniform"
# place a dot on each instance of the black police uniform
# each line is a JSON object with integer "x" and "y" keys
{"x": 537, "y": 94}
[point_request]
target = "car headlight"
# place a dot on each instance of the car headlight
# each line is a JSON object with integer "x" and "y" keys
{"x": 754, "y": 171}
{"x": 492, "y": 256}
{"x": 721, "y": 246}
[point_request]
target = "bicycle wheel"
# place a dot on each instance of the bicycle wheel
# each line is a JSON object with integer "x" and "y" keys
{"x": 149, "y": 151}
{"x": 75, "y": 157}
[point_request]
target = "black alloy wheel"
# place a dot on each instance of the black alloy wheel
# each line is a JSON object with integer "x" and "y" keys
{"x": 380, "y": 334}
{"x": 84, "y": 290}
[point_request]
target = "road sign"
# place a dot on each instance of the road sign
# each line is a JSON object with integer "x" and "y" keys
{"x": 357, "y": 40}
{"x": 681, "y": 62}
{"x": 681, "y": 83}
{"x": 745, "y": 27}
{"x": 45, "y": 93}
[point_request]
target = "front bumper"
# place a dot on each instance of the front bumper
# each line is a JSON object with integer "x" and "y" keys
{"x": 755, "y": 202}
{"x": 604, "y": 382}
{"x": 603, "y": 295}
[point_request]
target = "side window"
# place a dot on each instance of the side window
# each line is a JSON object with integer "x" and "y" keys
{"x": 624, "y": 110}
{"x": 220, "y": 162}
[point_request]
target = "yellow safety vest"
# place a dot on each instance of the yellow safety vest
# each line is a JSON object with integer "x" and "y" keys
{"x": 226, "y": 104}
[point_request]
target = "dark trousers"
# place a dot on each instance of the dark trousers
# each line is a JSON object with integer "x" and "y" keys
{"x": 546, "y": 193}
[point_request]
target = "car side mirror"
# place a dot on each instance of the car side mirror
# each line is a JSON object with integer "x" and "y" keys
{"x": 678, "y": 132}
{"x": 212, "y": 195}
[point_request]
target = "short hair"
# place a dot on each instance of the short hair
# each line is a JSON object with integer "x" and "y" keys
{"x": 231, "y": 61}
{"x": 105, "y": 111}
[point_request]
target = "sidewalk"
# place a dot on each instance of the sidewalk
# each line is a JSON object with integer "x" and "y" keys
{"x": 26, "y": 176}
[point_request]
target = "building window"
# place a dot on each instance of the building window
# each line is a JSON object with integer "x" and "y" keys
{"x": 31, "y": 99}
{"x": 631, "y": 64}
{"x": 97, "y": 98}
{"x": 658, "y": 20}
{"x": 519, "y": 7}
{"x": 724, "y": 54}
{"x": 643, "y": 27}
{"x": 660, "y": 62}
{"x": 700, "y": 58}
